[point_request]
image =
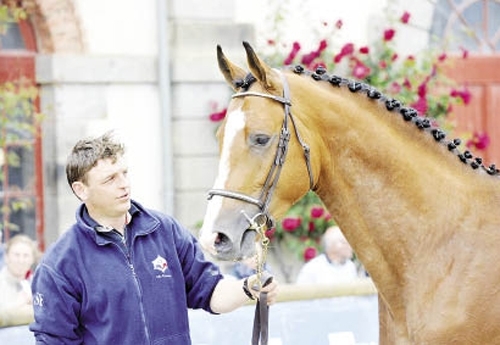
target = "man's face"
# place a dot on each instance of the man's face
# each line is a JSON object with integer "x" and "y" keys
{"x": 107, "y": 190}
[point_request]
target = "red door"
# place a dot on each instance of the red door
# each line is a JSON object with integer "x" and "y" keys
{"x": 481, "y": 74}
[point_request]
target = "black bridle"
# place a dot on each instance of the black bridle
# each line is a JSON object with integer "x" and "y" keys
{"x": 263, "y": 201}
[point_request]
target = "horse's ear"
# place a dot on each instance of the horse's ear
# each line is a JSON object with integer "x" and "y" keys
{"x": 231, "y": 72}
{"x": 259, "y": 68}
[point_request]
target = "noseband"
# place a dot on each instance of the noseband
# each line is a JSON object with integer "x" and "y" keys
{"x": 273, "y": 175}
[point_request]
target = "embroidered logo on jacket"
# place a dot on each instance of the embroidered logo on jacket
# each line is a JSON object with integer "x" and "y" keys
{"x": 38, "y": 299}
{"x": 160, "y": 264}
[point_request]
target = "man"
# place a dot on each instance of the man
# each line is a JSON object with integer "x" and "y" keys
{"x": 334, "y": 265}
{"x": 123, "y": 274}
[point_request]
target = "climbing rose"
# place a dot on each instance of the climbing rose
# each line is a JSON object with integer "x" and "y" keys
{"x": 360, "y": 70}
{"x": 479, "y": 141}
{"x": 317, "y": 211}
{"x": 270, "y": 233}
{"x": 291, "y": 223}
{"x": 218, "y": 115}
{"x": 309, "y": 58}
{"x": 420, "y": 105}
{"x": 347, "y": 49}
{"x": 464, "y": 94}
{"x": 389, "y": 34}
{"x": 405, "y": 18}
{"x": 293, "y": 53}
{"x": 309, "y": 253}
{"x": 364, "y": 50}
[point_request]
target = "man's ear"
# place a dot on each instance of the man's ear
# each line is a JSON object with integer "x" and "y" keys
{"x": 80, "y": 190}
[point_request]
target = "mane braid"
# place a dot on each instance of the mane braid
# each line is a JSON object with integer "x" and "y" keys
{"x": 409, "y": 114}
{"x": 245, "y": 83}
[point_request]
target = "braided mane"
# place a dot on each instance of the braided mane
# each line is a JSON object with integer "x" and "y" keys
{"x": 409, "y": 114}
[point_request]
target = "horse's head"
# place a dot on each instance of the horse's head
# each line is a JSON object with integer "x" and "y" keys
{"x": 261, "y": 168}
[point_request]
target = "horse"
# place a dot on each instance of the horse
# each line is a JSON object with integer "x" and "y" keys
{"x": 420, "y": 213}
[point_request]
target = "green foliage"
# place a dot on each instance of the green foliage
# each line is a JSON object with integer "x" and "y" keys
{"x": 303, "y": 226}
{"x": 10, "y": 14}
{"x": 19, "y": 120}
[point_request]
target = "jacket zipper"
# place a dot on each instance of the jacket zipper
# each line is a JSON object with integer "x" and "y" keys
{"x": 125, "y": 250}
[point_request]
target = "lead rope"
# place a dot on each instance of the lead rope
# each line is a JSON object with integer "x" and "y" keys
{"x": 261, "y": 316}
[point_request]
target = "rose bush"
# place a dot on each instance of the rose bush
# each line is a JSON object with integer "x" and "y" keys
{"x": 302, "y": 227}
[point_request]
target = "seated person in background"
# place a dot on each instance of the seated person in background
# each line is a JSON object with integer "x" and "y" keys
{"x": 15, "y": 292}
{"x": 334, "y": 265}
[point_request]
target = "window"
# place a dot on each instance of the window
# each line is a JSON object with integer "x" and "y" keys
{"x": 473, "y": 25}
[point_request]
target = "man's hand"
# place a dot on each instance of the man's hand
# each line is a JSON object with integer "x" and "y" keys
{"x": 268, "y": 284}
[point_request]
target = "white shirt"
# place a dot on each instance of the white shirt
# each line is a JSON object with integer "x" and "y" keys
{"x": 320, "y": 270}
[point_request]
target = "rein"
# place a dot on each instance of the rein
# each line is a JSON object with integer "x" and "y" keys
{"x": 263, "y": 220}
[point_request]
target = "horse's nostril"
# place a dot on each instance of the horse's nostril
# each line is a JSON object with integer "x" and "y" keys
{"x": 222, "y": 241}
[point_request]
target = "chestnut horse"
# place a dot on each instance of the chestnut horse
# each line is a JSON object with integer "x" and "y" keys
{"x": 422, "y": 216}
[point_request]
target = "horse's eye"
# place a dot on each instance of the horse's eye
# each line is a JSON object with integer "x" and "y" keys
{"x": 260, "y": 139}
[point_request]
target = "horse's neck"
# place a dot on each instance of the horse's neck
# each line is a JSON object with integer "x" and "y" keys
{"x": 388, "y": 184}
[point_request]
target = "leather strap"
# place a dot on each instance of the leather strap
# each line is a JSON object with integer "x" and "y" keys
{"x": 261, "y": 321}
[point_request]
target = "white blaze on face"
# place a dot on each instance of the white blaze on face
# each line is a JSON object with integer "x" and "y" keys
{"x": 234, "y": 125}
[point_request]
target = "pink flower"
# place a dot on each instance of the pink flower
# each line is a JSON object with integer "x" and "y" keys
{"x": 317, "y": 211}
{"x": 405, "y": 17}
{"x": 270, "y": 233}
{"x": 407, "y": 83}
{"x": 395, "y": 88}
{"x": 346, "y": 50}
{"x": 311, "y": 227}
{"x": 218, "y": 116}
{"x": 422, "y": 90}
{"x": 309, "y": 253}
{"x": 360, "y": 70}
{"x": 323, "y": 44}
{"x": 291, "y": 56}
{"x": 291, "y": 223}
{"x": 479, "y": 141}
{"x": 420, "y": 105}
{"x": 309, "y": 58}
{"x": 389, "y": 34}
{"x": 364, "y": 50}
{"x": 464, "y": 94}
{"x": 338, "y": 24}
{"x": 442, "y": 57}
